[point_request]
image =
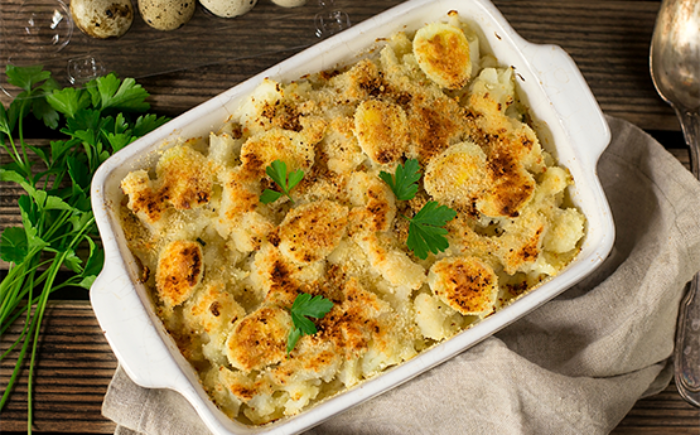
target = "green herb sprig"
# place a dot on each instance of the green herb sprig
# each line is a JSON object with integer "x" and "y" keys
{"x": 405, "y": 183}
{"x": 286, "y": 181}
{"x": 57, "y": 221}
{"x": 425, "y": 231}
{"x": 306, "y": 306}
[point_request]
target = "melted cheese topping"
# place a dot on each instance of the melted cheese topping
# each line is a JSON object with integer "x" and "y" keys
{"x": 442, "y": 52}
{"x": 228, "y": 267}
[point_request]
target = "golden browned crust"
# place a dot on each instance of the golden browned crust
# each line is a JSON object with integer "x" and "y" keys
{"x": 434, "y": 126}
{"x": 342, "y": 233}
{"x": 184, "y": 182}
{"x": 382, "y": 130}
{"x": 354, "y": 322}
{"x": 180, "y": 269}
{"x": 467, "y": 284}
{"x": 259, "y": 339}
{"x": 443, "y": 54}
{"x": 310, "y": 232}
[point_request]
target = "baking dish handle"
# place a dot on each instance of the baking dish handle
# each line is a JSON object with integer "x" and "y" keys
{"x": 130, "y": 330}
{"x": 575, "y": 105}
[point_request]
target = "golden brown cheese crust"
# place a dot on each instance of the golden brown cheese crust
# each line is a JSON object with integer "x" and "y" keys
{"x": 434, "y": 126}
{"x": 276, "y": 144}
{"x": 511, "y": 187}
{"x": 355, "y": 321}
{"x": 312, "y": 231}
{"x": 382, "y": 130}
{"x": 185, "y": 182}
{"x": 260, "y": 339}
{"x": 180, "y": 269}
{"x": 442, "y": 52}
{"x": 374, "y": 205}
{"x": 467, "y": 284}
{"x": 342, "y": 234}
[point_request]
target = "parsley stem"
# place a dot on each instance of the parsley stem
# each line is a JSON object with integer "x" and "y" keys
{"x": 31, "y": 300}
{"x": 22, "y": 292}
{"x": 21, "y": 141}
{"x": 17, "y": 158}
{"x": 12, "y": 289}
{"x": 32, "y": 328}
{"x": 15, "y": 372}
{"x": 38, "y": 317}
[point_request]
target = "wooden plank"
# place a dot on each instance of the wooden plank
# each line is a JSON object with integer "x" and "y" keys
{"x": 662, "y": 414}
{"x": 74, "y": 368}
{"x": 609, "y": 40}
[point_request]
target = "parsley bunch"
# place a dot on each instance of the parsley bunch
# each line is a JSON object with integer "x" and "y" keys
{"x": 425, "y": 232}
{"x": 58, "y": 227}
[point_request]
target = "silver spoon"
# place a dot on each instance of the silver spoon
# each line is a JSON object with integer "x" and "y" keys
{"x": 675, "y": 70}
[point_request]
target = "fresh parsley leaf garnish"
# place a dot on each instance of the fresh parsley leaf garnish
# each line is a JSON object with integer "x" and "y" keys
{"x": 306, "y": 306}
{"x": 278, "y": 172}
{"x": 425, "y": 232}
{"x": 405, "y": 183}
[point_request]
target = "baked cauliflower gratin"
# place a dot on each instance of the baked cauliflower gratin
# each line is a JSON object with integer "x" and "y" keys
{"x": 225, "y": 268}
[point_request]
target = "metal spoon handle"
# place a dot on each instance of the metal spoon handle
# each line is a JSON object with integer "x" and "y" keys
{"x": 690, "y": 123}
{"x": 687, "y": 349}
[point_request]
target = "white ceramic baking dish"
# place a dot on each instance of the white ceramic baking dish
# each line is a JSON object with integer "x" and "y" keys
{"x": 568, "y": 120}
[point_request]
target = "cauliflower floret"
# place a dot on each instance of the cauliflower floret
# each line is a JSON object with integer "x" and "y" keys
{"x": 374, "y": 204}
{"x": 435, "y": 319}
{"x": 566, "y": 229}
{"x": 491, "y": 93}
{"x": 310, "y": 232}
{"x": 394, "y": 265}
{"x": 224, "y": 150}
{"x": 259, "y": 339}
{"x": 250, "y": 113}
{"x": 458, "y": 176}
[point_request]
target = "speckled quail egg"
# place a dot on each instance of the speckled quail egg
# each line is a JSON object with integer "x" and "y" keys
{"x": 228, "y": 8}
{"x": 166, "y": 14}
{"x": 289, "y": 3}
{"x": 102, "y": 18}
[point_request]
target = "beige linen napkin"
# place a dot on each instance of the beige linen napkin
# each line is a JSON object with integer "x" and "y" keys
{"x": 576, "y": 365}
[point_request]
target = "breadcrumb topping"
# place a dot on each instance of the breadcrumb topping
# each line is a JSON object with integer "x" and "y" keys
{"x": 229, "y": 267}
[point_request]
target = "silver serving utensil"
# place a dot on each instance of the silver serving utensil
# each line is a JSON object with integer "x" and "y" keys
{"x": 675, "y": 70}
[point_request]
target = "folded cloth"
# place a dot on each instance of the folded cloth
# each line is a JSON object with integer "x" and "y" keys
{"x": 576, "y": 365}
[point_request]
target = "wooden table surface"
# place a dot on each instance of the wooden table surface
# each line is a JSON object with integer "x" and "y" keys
{"x": 609, "y": 40}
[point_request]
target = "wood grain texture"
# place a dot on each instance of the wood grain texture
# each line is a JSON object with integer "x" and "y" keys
{"x": 73, "y": 371}
{"x": 609, "y": 41}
